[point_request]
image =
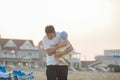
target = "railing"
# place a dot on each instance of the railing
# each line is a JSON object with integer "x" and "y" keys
{"x": 16, "y": 56}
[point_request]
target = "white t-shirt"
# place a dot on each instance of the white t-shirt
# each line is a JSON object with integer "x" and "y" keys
{"x": 48, "y": 43}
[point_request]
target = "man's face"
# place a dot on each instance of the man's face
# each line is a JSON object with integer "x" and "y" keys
{"x": 51, "y": 35}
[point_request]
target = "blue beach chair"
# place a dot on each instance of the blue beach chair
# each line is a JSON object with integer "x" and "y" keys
{"x": 3, "y": 70}
{"x": 20, "y": 75}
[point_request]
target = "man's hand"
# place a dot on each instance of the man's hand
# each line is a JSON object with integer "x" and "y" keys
{"x": 60, "y": 54}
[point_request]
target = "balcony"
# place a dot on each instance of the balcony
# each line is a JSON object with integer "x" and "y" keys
{"x": 18, "y": 56}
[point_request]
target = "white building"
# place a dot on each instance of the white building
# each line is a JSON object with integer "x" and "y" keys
{"x": 109, "y": 57}
{"x": 19, "y": 53}
{"x": 75, "y": 60}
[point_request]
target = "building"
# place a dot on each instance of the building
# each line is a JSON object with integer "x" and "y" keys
{"x": 23, "y": 54}
{"x": 75, "y": 59}
{"x": 109, "y": 57}
{"x": 85, "y": 64}
{"x": 19, "y": 53}
{"x": 43, "y": 55}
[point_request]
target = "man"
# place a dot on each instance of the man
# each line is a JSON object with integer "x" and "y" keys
{"x": 51, "y": 43}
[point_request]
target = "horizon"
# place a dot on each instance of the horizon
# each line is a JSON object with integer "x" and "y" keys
{"x": 92, "y": 25}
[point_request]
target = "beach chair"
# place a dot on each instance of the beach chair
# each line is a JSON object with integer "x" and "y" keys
{"x": 3, "y": 74}
{"x": 21, "y": 75}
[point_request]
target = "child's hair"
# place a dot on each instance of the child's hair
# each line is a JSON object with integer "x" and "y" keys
{"x": 64, "y": 35}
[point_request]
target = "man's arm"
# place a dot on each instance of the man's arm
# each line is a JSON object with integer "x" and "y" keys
{"x": 60, "y": 54}
{"x": 52, "y": 50}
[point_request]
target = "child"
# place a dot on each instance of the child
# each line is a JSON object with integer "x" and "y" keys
{"x": 64, "y": 60}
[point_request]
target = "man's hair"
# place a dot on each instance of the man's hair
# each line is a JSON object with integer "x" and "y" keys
{"x": 49, "y": 29}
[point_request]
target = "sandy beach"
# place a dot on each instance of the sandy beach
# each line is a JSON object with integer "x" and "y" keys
{"x": 83, "y": 76}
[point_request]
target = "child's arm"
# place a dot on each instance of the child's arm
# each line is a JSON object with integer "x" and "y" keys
{"x": 60, "y": 54}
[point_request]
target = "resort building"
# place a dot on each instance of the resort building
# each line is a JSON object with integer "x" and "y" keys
{"x": 19, "y": 53}
{"x": 110, "y": 57}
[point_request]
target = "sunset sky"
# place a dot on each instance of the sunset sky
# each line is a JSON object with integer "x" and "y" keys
{"x": 92, "y": 25}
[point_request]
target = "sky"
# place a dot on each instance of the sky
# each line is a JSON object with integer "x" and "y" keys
{"x": 92, "y": 25}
